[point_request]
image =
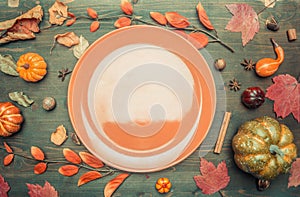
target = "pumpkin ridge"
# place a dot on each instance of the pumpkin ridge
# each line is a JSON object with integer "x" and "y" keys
{"x": 11, "y": 118}
{"x": 6, "y": 107}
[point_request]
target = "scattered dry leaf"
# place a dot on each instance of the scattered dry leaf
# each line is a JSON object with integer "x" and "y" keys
{"x": 126, "y": 7}
{"x": 68, "y": 170}
{"x": 20, "y": 98}
{"x": 22, "y": 27}
{"x": 8, "y": 159}
{"x": 67, "y": 39}
{"x": 94, "y": 26}
{"x": 88, "y": 176}
{"x": 38, "y": 191}
{"x": 294, "y": 178}
{"x": 244, "y": 20}
{"x": 92, "y": 13}
{"x": 13, "y": 3}
{"x": 58, "y": 13}
{"x": 177, "y": 20}
{"x": 122, "y": 22}
{"x": 202, "y": 15}
{"x": 212, "y": 178}
{"x": 114, "y": 184}
{"x": 285, "y": 92}
{"x": 75, "y": 139}
{"x": 8, "y": 65}
{"x": 198, "y": 42}
{"x": 71, "y": 156}
{"x": 91, "y": 160}
{"x": 37, "y": 153}
{"x": 59, "y": 136}
{"x": 4, "y": 187}
{"x": 159, "y": 18}
{"x": 80, "y": 48}
{"x": 7, "y": 148}
{"x": 40, "y": 168}
{"x": 201, "y": 38}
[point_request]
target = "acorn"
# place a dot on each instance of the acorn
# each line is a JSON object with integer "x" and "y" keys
{"x": 220, "y": 64}
{"x": 272, "y": 24}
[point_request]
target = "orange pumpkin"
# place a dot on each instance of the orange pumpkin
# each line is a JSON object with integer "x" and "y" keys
{"x": 31, "y": 67}
{"x": 10, "y": 119}
{"x": 163, "y": 185}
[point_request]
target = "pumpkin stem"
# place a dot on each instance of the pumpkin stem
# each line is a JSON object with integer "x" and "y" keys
{"x": 274, "y": 149}
{"x": 26, "y": 66}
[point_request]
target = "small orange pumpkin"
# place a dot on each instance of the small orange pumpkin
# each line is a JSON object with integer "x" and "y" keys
{"x": 31, "y": 67}
{"x": 163, "y": 185}
{"x": 10, "y": 119}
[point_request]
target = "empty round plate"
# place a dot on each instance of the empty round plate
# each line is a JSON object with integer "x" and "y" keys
{"x": 141, "y": 98}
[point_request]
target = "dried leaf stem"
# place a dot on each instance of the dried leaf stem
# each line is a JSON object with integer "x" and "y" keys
{"x": 105, "y": 170}
{"x": 192, "y": 29}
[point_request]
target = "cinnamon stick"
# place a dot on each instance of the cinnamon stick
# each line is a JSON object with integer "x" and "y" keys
{"x": 222, "y": 133}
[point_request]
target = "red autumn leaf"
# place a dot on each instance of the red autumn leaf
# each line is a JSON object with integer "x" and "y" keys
{"x": 177, "y": 20}
{"x": 88, "y": 177}
{"x": 7, "y": 148}
{"x": 68, "y": 170}
{"x": 4, "y": 187}
{"x": 71, "y": 156}
{"x": 285, "y": 92}
{"x": 95, "y": 25}
{"x": 294, "y": 178}
{"x": 40, "y": 168}
{"x": 122, "y": 22}
{"x": 202, "y": 15}
{"x": 114, "y": 184}
{"x": 199, "y": 41}
{"x": 91, "y": 160}
{"x": 8, "y": 159}
{"x": 37, "y": 153}
{"x": 159, "y": 18}
{"x": 126, "y": 7}
{"x": 244, "y": 20}
{"x": 38, "y": 191}
{"x": 212, "y": 179}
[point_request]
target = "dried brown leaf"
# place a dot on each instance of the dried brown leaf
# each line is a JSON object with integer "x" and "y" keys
{"x": 114, "y": 184}
{"x": 71, "y": 156}
{"x": 58, "y": 13}
{"x": 8, "y": 159}
{"x": 22, "y": 27}
{"x": 59, "y": 136}
{"x": 75, "y": 138}
{"x": 37, "y": 153}
{"x": 68, "y": 170}
{"x": 88, "y": 177}
{"x": 40, "y": 168}
{"x": 67, "y": 39}
{"x": 7, "y": 148}
{"x": 91, "y": 160}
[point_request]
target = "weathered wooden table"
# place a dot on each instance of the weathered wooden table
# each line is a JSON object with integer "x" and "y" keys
{"x": 39, "y": 124}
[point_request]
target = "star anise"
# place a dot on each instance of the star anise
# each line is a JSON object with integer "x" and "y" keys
{"x": 234, "y": 84}
{"x": 248, "y": 64}
{"x": 63, "y": 73}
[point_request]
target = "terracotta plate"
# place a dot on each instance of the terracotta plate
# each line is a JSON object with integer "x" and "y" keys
{"x": 141, "y": 98}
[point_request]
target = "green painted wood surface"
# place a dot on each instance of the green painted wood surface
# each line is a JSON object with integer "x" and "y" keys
{"x": 39, "y": 124}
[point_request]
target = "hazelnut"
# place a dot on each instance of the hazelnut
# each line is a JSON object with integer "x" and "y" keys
{"x": 220, "y": 64}
{"x": 49, "y": 103}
